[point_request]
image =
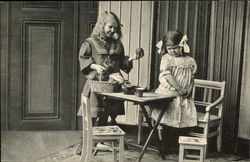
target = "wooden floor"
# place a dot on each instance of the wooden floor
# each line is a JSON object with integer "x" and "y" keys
{"x": 30, "y": 146}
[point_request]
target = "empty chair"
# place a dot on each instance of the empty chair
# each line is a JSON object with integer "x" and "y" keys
{"x": 93, "y": 135}
{"x": 208, "y": 97}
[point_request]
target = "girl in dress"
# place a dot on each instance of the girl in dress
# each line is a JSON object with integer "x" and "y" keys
{"x": 176, "y": 77}
{"x": 103, "y": 53}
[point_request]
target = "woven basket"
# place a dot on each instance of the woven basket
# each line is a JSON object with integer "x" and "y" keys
{"x": 104, "y": 86}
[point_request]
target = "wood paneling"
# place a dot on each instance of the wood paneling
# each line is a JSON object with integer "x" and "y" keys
{"x": 225, "y": 60}
{"x": 42, "y": 65}
{"x": 137, "y": 20}
{"x": 40, "y": 68}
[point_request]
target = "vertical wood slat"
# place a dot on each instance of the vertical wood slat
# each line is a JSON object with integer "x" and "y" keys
{"x": 186, "y": 17}
{"x": 228, "y": 114}
{"x": 126, "y": 21}
{"x": 201, "y": 39}
{"x": 145, "y": 43}
{"x": 213, "y": 25}
{"x": 172, "y": 15}
{"x": 166, "y": 27}
{"x": 177, "y": 15}
{"x": 237, "y": 60}
{"x": 244, "y": 120}
{"x": 139, "y": 42}
{"x": 195, "y": 29}
{"x": 219, "y": 38}
{"x": 134, "y": 43}
{"x": 162, "y": 21}
{"x": 224, "y": 51}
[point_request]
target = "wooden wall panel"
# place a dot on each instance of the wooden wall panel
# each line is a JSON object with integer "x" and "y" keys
{"x": 40, "y": 68}
{"x": 136, "y": 17}
{"x": 146, "y": 43}
{"x": 244, "y": 114}
{"x": 42, "y": 62}
{"x": 225, "y": 60}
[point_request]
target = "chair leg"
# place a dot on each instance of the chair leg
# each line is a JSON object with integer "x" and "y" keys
{"x": 181, "y": 153}
{"x": 140, "y": 118}
{"x": 206, "y": 131}
{"x": 121, "y": 149}
{"x": 114, "y": 151}
{"x": 202, "y": 154}
{"x": 84, "y": 149}
{"x": 89, "y": 145}
{"x": 219, "y": 139}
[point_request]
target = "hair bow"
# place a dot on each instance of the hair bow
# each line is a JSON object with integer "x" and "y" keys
{"x": 159, "y": 45}
{"x": 183, "y": 43}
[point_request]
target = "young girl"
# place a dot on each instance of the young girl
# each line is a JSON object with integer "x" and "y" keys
{"x": 103, "y": 53}
{"x": 176, "y": 77}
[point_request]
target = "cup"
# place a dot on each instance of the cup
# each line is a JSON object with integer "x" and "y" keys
{"x": 139, "y": 92}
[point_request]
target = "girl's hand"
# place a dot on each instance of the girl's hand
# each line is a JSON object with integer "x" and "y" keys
{"x": 189, "y": 91}
{"x": 182, "y": 92}
{"x": 139, "y": 53}
{"x": 100, "y": 69}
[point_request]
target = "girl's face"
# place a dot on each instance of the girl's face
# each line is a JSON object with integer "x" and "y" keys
{"x": 110, "y": 28}
{"x": 174, "y": 51}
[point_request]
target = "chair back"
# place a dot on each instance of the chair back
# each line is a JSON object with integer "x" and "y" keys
{"x": 206, "y": 92}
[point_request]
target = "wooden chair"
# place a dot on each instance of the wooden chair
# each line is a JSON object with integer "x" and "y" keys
{"x": 191, "y": 143}
{"x": 113, "y": 134}
{"x": 208, "y": 97}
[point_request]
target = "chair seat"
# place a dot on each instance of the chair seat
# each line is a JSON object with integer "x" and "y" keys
{"x": 202, "y": 115}
{"x": 108, "y": 130}
{"x": 192, "y": 140}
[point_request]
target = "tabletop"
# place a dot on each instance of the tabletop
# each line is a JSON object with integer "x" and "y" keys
{"x": 146, "y": 98}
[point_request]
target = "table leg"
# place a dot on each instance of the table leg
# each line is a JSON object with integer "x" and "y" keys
{"x": 153, "y": 128}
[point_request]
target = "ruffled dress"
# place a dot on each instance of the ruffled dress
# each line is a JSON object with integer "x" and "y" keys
{"x": 181, "y": 112}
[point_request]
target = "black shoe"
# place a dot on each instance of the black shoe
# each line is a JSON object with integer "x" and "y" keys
{"x": 113, "y": 122}
{"x": 162, "y": 153}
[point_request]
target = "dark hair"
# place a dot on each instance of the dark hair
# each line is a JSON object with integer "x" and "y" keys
{"x": 98, "y": 30}
{"x": 171, "y": 38}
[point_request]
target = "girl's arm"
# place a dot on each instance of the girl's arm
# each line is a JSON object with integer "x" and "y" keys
{"x": 194, "y": 69}
{"x": 126, "y": 64}
{"x": 190, "y": 88}
{"x": 87, "y": 63}
{"x": 172, "y": 81}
